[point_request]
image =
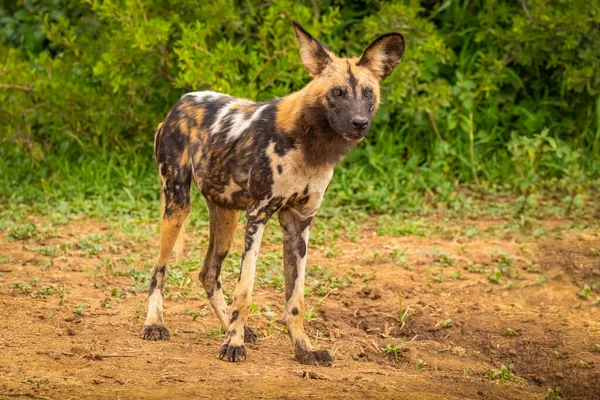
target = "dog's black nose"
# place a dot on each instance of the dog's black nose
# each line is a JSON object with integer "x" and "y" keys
{"x": 360, "y": 123}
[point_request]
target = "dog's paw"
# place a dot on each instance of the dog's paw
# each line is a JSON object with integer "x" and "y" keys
{"x": 155, "y": 332}
{"x": 249, "y": 335}
{"x": 313, "y": 357}
{"x": 232, "y": 353}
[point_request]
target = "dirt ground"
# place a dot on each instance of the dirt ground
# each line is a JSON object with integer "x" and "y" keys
{"x": 473, "y": 306}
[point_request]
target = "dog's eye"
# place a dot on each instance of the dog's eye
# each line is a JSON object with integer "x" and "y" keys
{"x": 337, "y": 91}
{"x": 367, "y": 92}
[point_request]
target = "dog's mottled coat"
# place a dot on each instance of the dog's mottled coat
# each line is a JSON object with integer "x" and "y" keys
{"x": 263, "y": 158}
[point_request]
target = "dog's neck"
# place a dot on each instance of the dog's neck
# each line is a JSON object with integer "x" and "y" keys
{"x": 303, "y": 116}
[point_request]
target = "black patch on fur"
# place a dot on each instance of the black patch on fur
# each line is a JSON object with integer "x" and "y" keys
{"x": 209, "y": 275}
{"x": 170, "y": 144}
{"x": 279, "y": 169}
{"x": 284, "y": 144}
{"x": 352, "y": 79}
{"x": 254, "y": 219}
{"x": 234, "y": 316}
{"x": 320, "y": 143}
{"x": 154, "y": 280}
{"x": 295, "y": 311}
{"x": 293, "y": 246}
{"x": 303, "y": 200}
{"x": 302, "y": 249}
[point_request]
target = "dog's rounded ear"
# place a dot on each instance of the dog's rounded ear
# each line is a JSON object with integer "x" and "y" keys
{"x": 314, "y": 56}
{"x": 383, "y": 55}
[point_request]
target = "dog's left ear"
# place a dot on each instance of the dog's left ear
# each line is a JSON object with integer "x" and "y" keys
{"x": 313, "y": 53}
{"x": 383, "y": 55}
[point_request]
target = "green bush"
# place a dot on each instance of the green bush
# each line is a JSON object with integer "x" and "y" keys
{"x": 503, "y": 95}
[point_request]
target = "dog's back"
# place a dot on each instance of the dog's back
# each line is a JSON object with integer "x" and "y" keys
{"x": 217, "y": 140}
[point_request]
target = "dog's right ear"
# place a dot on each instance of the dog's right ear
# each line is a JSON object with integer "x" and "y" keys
{"x": 313, "y": 54}
{"x": 383, "y": 55}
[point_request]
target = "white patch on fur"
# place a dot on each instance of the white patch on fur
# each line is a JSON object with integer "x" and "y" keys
{"x": 216, "y": 126}
{"x": 241, "y": 123}
{"x": 155, "y": 309}
{"x": 204, "y": 96}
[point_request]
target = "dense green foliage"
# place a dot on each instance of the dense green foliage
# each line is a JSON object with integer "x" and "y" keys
{"x": 498, "y": 95}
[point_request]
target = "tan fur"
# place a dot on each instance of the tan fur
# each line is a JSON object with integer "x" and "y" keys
{"x": 183, "y": 127}
{"x": 179, "y": 243}
{"x": 169, "y": 231}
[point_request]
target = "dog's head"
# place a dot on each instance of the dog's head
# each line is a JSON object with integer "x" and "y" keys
{"x": 348, "y": 88}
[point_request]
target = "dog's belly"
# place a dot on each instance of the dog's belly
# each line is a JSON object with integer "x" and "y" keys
{"x": 230, "y": 195}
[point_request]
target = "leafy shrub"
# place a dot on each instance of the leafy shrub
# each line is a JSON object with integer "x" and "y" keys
{"x": 500, "y": 94}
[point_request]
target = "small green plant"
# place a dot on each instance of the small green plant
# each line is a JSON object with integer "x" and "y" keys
{"x": 50, "y": 251}
{"x": 582, "y": 364}
{"x": 586, "y": 292}
{"x": 495, "y": 276}
{"x": 594, "y": 252}
{"x": 192, "y": 314}
{"x": 541, "y": 279}
{"x": 402, "y": 312}
{"x": 23, "y": 232}
{"x": 503, "y": 374}
{"x": 439, "y": 278}
{"x": 352, "y": 231}
{"x": 509, "y": 332}
{"x": 213, "y": 333}
{"x": 456, "y": 275}
{"x": 78, "y": 309}
{"x": 115, "y": 292}
{"x": 393, "y": 350}
{"x": 331, "y": 252}
{"x": 533, "y": 268}
{"x": 106, "y": 303}
{"x": 21, "y": 288}
{"x": 553, "y": 394}
{"x": 419, "y": 365}
{"x": 375, "y": 257}
{"x": 400, "y": 258}
{"x": 91, "y": 244}
{"x": 475, "y": 268}
{"x": 46, "y": 291}
{"x": 441, "y": 258}
{"x": 311, "y": 314}
{"x": 445, "y": 324}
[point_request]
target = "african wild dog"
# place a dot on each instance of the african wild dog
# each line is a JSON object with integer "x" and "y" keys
{"x": 263, "y": 158}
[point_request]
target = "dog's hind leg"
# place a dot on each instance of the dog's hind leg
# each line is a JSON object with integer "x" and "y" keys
{"x": 176, "y": 180}
{"x": 223, "y": 224}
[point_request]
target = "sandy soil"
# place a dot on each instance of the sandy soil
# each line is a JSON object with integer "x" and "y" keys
{"x": 459, "y": 329}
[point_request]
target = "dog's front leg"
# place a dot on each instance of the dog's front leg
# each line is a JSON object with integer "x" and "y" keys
{"x": 257, "y": 216}
{"x": 295, "y": 246}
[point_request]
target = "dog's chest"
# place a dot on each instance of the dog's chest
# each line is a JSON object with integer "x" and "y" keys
{"x": 302, "y": 186}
